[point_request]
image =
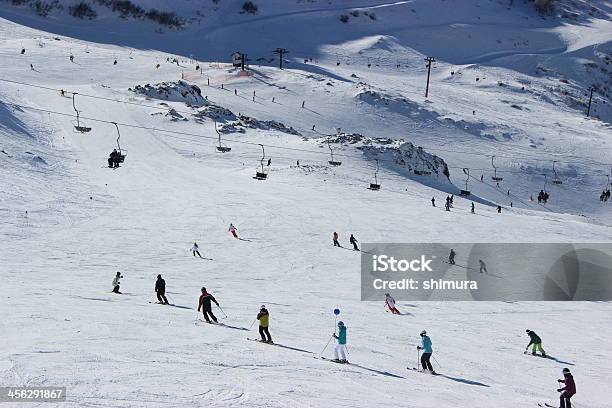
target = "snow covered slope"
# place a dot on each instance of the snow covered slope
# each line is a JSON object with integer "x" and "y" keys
{"x": 68, "y": 222}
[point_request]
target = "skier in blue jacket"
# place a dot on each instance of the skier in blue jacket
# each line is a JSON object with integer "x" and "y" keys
{"x": 427, "y": 351}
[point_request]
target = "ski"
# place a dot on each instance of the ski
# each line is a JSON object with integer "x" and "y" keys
{"x": 546, "y": 405}
{"x": 261, "y": 341}
{"x": 418, "y": 370}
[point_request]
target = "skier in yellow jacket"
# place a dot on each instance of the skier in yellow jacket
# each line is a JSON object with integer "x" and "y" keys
{"x": 264, "y": 322}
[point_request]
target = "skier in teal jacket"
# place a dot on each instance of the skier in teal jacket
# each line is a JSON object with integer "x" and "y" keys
{"x": 427, "y": 351}
{"x": 340, "y": 349}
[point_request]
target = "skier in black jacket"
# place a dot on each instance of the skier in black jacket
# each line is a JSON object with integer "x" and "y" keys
{"x": 160, "y": 288}
{"x": 205, "y": 304}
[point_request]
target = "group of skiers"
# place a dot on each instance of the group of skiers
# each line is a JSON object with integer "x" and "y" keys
{"x": 352, "y": 240}
{"x": 115, "y": 158}
{"x": 543, "y": 197}
{"x": 605, "y": 195}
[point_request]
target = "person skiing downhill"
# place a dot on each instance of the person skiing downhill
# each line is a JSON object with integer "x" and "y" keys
{"x": 472, "y": 209}
{"x": 451, "y": 256}
{"x": 427, "y": 351}
{"x": 433, "y": 201}
{"x": 264, "y": 322}
{"x": 353, "y": 241}
{"x": 205, "y": 304}
{"x": 390, "y": 303}
{"x": 336, "y": 243}
{"x": 160, "y": 289}
{"x": 233, "y": 230}
{"x": 116, "y": 282}
{"x": 483, "y": 266}
{"x": 195, "y": 249}
{"x": 340, "y": 349}
{"x": 568, "y": 391}
{"x": 536, "y": 341}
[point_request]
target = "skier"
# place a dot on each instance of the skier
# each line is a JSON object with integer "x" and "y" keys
{"x": 447, "y": 205}
{"x": 233, "y": 230}
{"x": 72, "y": 58}
{"x": 340, "y": 349}
{"x": 499, "y": 209}
{"x": 116, "y": 282}
{"x": 195, "y": 249}
{"x": 568, "y": 391}
{"x": 483, "y": 266}
{"x": 390, "y": 303}
{"x": 336, "y": 243}
{"x": 537, "y": 343}
{"x": 433, "y": 201}
{"x": 353, "y": 241}
{"x": 472, "y": 209}
{"x": 451, "y": 256}
{"x": 481, "y": 178}
{"x": 264, "y": 322}
{"x": 205, "y": 304}
{"x": 269, "y": 162}
{"x": 427, "y": 351}
{"x": 160, "y": 288}
{"x": 22, "y": 51}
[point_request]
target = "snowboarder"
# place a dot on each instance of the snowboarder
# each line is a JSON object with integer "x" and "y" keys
{"x": 433, "y": 201}
{"x": 451, "y": 256}
{"x": 537, "y": 343}
{"x": 390, "y": 303}
{"x": 427, "y": 351}
{"x": 116, "y": 282}
{"x": 264, "y": 322}
{"x": 483, "y": 266}
{"x": 353, "y": 241}
{"x": 499, "y": 209}
{"x": 568, "y": 391}
{"x": 472, "y": 209}
{"x": 195, "y": 249}
{"x": 340, "y": 349}
{"x": 336, "y": 243}
{"x": 233, "y": 230}
{"x": 160, "y": 289}
{"x": 205, "y": 304}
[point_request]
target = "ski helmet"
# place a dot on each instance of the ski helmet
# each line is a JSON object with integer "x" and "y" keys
{"x": 423, "y": 333}
{"x": 566, "y": 370}
{"x": 262, "y": 307}
{"x": 527, "y": 331}
{"x": 158, "y": 276}
{"x": 386, "y": 294}
{"x": 340, "y": 323}
{"x": 203, "y": 289}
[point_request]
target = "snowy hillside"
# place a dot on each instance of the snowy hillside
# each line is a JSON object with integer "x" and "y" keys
{"x": 506, "y": 99}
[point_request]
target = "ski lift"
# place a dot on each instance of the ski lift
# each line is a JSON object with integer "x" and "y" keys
{"x": 261, "y": 175}
{"x": 555, "y": 179}
{"x": 77, "y": 126}
{"x": 221, "y": 148}
{"x": 466, "y": 192}
{"x": 122, "y": 152}
{"x": 375, "y": 186}
{"x": 332, "y": 161}
{"x": 495, "y": 177}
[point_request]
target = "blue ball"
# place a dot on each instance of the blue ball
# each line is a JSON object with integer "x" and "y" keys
{"x": 336, "y": 312}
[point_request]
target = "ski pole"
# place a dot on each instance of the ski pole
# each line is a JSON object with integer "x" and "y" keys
{"x": 418, "y": 357}
{"x": 220, "y": 308}
{"x": 436, "y": 361}
{"x": 254, "y": 320}
{"x": 327, "y": 344}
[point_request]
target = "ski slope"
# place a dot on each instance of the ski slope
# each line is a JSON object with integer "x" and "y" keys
{"x": 68, "y": 222}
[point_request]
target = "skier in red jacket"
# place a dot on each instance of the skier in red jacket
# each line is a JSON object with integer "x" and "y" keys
{"x": 568, "y": 391}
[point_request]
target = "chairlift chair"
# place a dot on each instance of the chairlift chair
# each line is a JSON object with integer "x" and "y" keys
{"x": 466, "y": 192}
{"x": 221, "y": 148}
{"x": 375, "y": 186}
{"x": 77, "y": 126}
{"x": 555, "y": 179}
{"x": 495, "y": 177}
{"x": 261, "y": 175}
{"x": 122, "y": 152}
{"x": 332, "y": 161}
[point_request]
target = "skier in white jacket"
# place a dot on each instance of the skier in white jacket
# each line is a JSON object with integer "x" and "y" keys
{"x": 116, "y": 282}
